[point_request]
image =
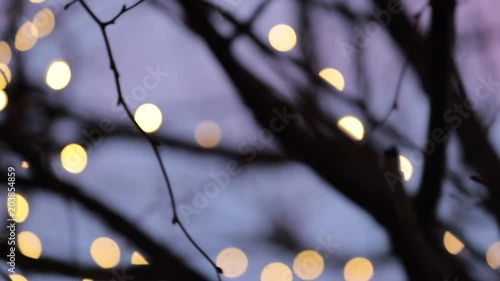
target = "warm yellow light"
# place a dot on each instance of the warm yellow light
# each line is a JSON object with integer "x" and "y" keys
{"x": 105, "y": 252}
{"x": 308, "y": 265}
{"x": 352, "y": 127}
{"x": 45, "y": 20}
{"x": 493, "y": 256}
{"x": 17, "y": 277}
{"x": 148, "y": 116}
{"x": 18, "y": 208}
{"x": 25, "y": 165}
{"x": 334, "y": 77}
{"x": 4, "y": 100}
{"x": 232, "y": 261}
{"x": 26, "y": 36}
{"x": 5, "y": 52}
{"x": 74, "y": 158}
{"x": 276, "y": 271}
{"x": 452, "y": 244}
{"x": 282, "y": 37}
{"x": 208, "y": 134}
{"x": 87, "y": 279}
{"x": 138, "y": 259}
{"x": 58, "y": 75}
{"x": 5, "y": 76}
{"x": 36, "y": 1}
{"x": 358, "y": 269}
{"x": 406, "y": 167}
{"x": 29, "y": 244}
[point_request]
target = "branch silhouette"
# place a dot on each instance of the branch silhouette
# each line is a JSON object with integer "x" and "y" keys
{"x": 154, "y": 143}
{"x": 354, "y": 169}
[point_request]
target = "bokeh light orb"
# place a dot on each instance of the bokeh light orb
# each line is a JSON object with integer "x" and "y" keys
{"x": 5, "y": 52}
{"x": 493, "y": 255}
{"x": 74, "y": 158}
{"x": 358, "y": 269}
{"x": 17, "y": 277}
{"x": 105, "y": 252}
{"x": 4, "y": 100}
{"x": 5, "y": 76}
{"x": 26, "y": 37}
{"x": 58, "y": 75}
{"x": 20, "y": 206}
{"x": 208, "y": 134}
{"x": 405, "y": 167}
{"x": 452, "y": 244}
{"x": 276, "y": 271}
{"x": 29, "y": 244}
{"x": 138, "y": 259}
{"x": 282, "y": 37}
{"x": 308, "y": 265}
{"x": 232, "y": 261}
{"x": 148, "y": 116}
{"x": 333, "y": 77}
{"x": 352, "y": 127}
{"x": 45, "y": 21}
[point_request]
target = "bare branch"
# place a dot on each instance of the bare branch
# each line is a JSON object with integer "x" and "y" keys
{"x": 317, "y": 151}
{"x": 154, "y": 144}
{"x": 394, "y": 104}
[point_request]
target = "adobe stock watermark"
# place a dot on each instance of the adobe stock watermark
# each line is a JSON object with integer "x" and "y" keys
{"x": 11, "y": 219}
{"x": 310, "y": 263}
{"x": 453, "y": 117}
{"x": 363, "y": 36}
{"x": 94, "y": 137}
{"x": 219, "y": 180}
{"x": 326, "y": 246}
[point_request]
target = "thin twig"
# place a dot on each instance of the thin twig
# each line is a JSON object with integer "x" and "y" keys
{"x": 70, "y": 4}
{"x": 395, "y": 102}
{"x": 154, "y": 144}
{"x": 4, "y": 75}
{"x": 244, "y": 28}
{"x": 123, "y": 11}
{"x": 397, "y": 93}
{"x": 258, "y": 11}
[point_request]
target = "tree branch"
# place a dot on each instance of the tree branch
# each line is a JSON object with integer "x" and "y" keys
{"x": 42, "y": 178}
{"x": 351, "y": 159}
{"x": 476, "y": 146}
{"x": 442, "y": 39}
{"x": 154, "y": 144}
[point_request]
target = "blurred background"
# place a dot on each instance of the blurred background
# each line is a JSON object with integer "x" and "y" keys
{"x": 302, "y": 139}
